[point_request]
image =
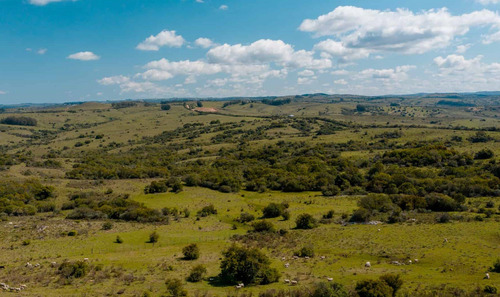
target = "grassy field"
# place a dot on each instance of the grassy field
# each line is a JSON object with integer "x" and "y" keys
{"x": 453, "y": 255}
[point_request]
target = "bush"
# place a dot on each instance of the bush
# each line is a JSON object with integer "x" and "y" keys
{"x": 19, "y": 121}
{"x": 329, "y": 214}
{"x": 273, "y": 210}
{"x": 72, "y": 233}
{"x": 323, "y": 289}
{"x": 118, "y": 239}
{"x": 247, "y": 265}
{"x": 165, "y": 107}
{"x": 394, "y": 281}
{"x": 360, "y": 215}
{"x": 175, "y": 288}
{"x": 496, "y": 266}
{"x": 305, "y": 221}
{"x": 373, "y": 288}
{"x": 76, "y": 269}
{"x": 330, "y": 190}
{"x": 484, "y": 154}
{"x": 107, "y": 226}
{"x": 191, "y": 252}
{"x": 245, "y": 217}
{"x": 263, "y": 226}
{"x": 443, "y": 218}
{"x": 197, "y": 273}
{"x": 207, "y": 210}
{"x": 490, "y": 289}
{"x": 285, "y": 215}
{"x": 156, "y": 187}
{"x": 307, "y": 251}
{"x": 153, "y": 237}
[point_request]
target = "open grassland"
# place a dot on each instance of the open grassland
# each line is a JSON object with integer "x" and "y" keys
{"x": 72, "y": 147}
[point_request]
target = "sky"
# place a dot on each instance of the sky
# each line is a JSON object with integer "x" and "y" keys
{"x": 93, "y": 50}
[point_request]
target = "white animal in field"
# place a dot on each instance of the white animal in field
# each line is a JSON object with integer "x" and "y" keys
{"x": 330, "y": 279}
{"x": 287, "y": 281}
{"x": 368, "y": 265}
{"x": 294, "y": 282}
{"x": 487, "y": 276}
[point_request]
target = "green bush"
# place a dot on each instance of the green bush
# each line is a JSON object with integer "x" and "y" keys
{"x": 197, "y": 273}
{"x": 373, "y": 288}
{"x": 496, "y": 266}
{"x": 306, "y": 251}
{"x": 247, "y": 265}
{"x": 323, "y": 289}
{"x": 273, "y": 210}
{"x": 107, "y": 226}
{"x": 118, "y": 239}
{"x": 207, "y": 211}
{"x": 490, "y": 289}
{"x": 245, "y": 217}
{"x": 360, "y": 215}
{"x": 305, "y": 221}
{"x": 263, "y": 226}
{"x": 191, "y": 252}
{"x": 175, "y": 288}
{"x": 72, "y": 233}
{"x": 76, "y": 269}
{"x": 394, "y": 281}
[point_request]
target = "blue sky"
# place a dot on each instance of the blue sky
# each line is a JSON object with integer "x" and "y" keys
{"x": 63, "y": 50}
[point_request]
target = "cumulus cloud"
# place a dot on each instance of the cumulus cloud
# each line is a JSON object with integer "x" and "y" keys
{"x": 266, "y": 51}
{"x": 463, "y": 48}
{"x": 113, "y": 80}
{"x": 359, "y": 32}
{"x": 306, "y": 72}
{"x": 164, "y": 38}
{"x": 223, "y": 7}
{"x": 391, "y": 74}
{"x": 2, "y": 92}
{"x": 204, "y": 42}
{"x": 84, "y": 56}
{"x": 340, "y": 82}
{"x": 41, "y": 51}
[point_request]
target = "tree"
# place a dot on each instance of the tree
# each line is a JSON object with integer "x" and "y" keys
{"x": 247, "y": 265}
{"x": 197, "y": 273}
{"x": 191, "y": 252}
{"x": 323, "y": 289}
{"x": 305, "y": 221}
{"x": 165, "y": 107}
{"x": 153, "y": 237}
{"x": 394, "y": 281}
{"x": 263, "y": 226}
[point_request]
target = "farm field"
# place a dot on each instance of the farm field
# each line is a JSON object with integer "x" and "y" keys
{"x": 409, "y": 189}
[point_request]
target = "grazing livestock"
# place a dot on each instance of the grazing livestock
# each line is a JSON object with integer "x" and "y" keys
{"x": 53, "y": 264}
{"x": 86, "y": 259}
{"x": 415, "y": 260}
{"x": 287, "y": 281}
{"x": 322, "y": 257}
{"x": 287, "y": 265}
{"x": 487, "y": 276}
{"x": 445, "y": 240}
{"x": 368, "y": 265}
{"x": 294, "y": 282}
{"x": 330, "y": 279}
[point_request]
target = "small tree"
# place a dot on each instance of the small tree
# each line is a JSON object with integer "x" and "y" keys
{"x": 191, "y": 252}
{"x": 165, "y": 107}
{"x": 118, "y": 239}
{"x": 307, "y": 251}
{"x": 496, "y": 266}
{"x": 329, "y": 290}
{"x": 394, "y": 281}
{"x": 153, "y": 237}
{"x": 373, "y": 288}
{"x": 175, "y": 287}
{"x": 305, "y": 221}
{"x": 197, "y": 273}
{"x": 263, "y": 226}
{"x": 250, "y": 266}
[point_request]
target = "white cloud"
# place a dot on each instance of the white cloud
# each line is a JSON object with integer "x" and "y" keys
{"x": 164, "y": 38}
{"x": 340, "y": 82}
{"x": 45, "y": 2}
{"x": 190, "y": 80}
{"x": 340, "y": 72}
{"x": 204, "y": 42}
{"x": 224, "y": 7}
{"x": 155, "y": 74}
{"x": 360, "y": 32}
{"x": 266, "y": 51}
{"x": 392, "y": 74}
{"x": 84, "y": 56}
{"x": 306, "y": 72}
{"x": 114, "y": 80}
{"x": 2, "y": 92}
{"x": 487, "y": 2}
{"x": 461, "y": 49}
{"x": 41, "y": 51}
{"x": 200, "y": 1}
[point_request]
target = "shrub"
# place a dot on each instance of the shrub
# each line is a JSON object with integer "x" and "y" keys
{"x": 207, "y": 210}
{"x": 490, "y": 289}
{"x": 76, "y": 269}
{"x": 118, "y": 239}
{"x": 165, "y": 107}
{"x": 273, "y": 210}
{"x": 394, "y": 281}
{"x": 263, "y": 226}
{"x": 247, "y": 265}
{"x": 305, "y": 221}
{"x": 156, "y": 187}
{"x": 306, "y": 251}
{"x": 496, "y": 266}
{"x": 245, "y": 217}
{"x": 191, "y": 252}
{"x": 26, "y": 242}
{"x": 72, "y": 233}
{"x": 329, "y": 214}
{"x": 330, "y": 190}
{"x": 443, "y": 218}
{"x": 373, "y": 288}
{"x": 19, "y": 121}
{"x": 175, "y": 288}
{"x": 107, "y": 226}
{"x": 360, "y": 215}
{"x": 285, "y": 215}
{"x": 153, "y": 237}
{"x": 323, "y": 289}
{"x": 197, "y": 273}
{"x": 484, "y": 154}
